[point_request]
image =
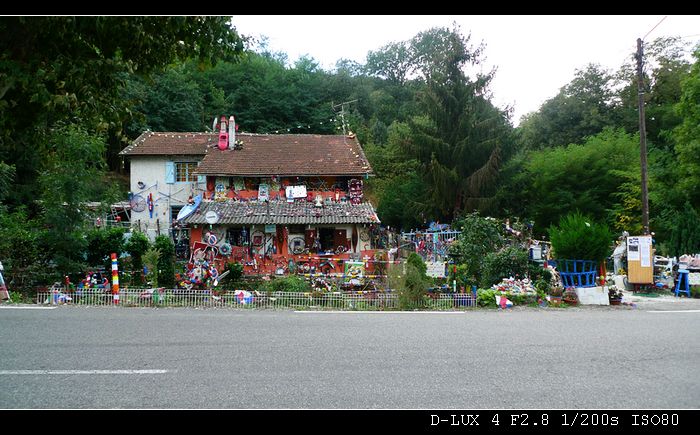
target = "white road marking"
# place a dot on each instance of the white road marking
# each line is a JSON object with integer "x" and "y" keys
{"x": 377, "y": 312}
{"x": 82, "y": 372}
{"x": 10, "y": 307}
{"x": 676, "y": 311}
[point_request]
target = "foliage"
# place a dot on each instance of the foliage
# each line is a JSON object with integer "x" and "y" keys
{"x": 235, "y": 271}
{"x": 71, "y": 70}
{"x": 684, "y": 237}
{"x": 461, "y": 136}
{"x": 412, "y": 290}
{"x": 687, "y": 134}
{"x": 291, "y": 284}
{"x": 578, "y": 237}
{"x": 416, "y": 261}
{"x": 581, "y": 109}
{"x": 73, "y": 164}
{"x": 510, "y": 261}
{"x": 166, "y": 261}
{"x": 479, "y": 237}
{"x": 7, "y": 174}
{"x": 137, "y": 245}
{"x": 19, "y": 245}
{"x": 580, "y": 177}
{"x": 150, "y": 259}
{"x": 486, "y": 298}
{"x": 101, "y": 243}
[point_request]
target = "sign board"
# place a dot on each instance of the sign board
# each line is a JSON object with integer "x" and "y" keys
{"x": 436, "y": 269}
{"x": 263, "y": 192}
{"x": 354, "y": 272}
{"x": 271, "y": 228}
{"x": 295, "y": 192}
{"x": 211, "y": 217}
{"x": 640, "y": 268}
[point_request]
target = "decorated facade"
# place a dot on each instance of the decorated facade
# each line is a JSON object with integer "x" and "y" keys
{"x": 277, "y": 204}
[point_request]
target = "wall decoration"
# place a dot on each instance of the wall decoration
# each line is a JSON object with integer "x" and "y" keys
{"x": 263, "y": 192}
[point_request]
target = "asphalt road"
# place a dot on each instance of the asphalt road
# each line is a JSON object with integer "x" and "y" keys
{"x": 219, "y": 358}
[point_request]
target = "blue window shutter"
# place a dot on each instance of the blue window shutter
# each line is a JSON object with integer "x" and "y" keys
{"x": 201, "y": 178}
{"x": 169, "y": 172}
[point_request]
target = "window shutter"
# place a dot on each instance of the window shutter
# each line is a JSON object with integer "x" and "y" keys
{"x": 170, "y": 172}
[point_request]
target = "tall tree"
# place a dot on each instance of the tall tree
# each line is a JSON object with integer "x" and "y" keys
{"x": 71, "y": 69}
{"x": 459, "y": 140}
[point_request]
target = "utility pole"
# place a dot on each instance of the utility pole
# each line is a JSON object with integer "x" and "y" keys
{"x": 642, "y": 138}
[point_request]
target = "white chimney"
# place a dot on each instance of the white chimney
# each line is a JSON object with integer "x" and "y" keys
{"x": 231, "y": 133}
{"x": 216, "y": 120}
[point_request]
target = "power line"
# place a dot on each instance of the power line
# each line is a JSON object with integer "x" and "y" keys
{"x": 652, "y": 29}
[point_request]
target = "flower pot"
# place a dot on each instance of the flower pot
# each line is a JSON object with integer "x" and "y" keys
{"x": 615, "y": 301}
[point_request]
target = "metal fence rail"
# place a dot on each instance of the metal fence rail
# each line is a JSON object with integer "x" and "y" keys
{"x": 254, "y": 300}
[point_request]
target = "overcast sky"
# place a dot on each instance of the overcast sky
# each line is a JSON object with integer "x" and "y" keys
{"x": 534, "y": 55}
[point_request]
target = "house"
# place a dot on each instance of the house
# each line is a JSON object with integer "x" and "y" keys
{"x": 163, "y": 177}
{"x": 276, "y": 203}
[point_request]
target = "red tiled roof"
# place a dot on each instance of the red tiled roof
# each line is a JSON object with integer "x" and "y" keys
{"x": 261, "y": 154}
{"x": 288, "y": 154}
{"x": 170, "y": 143}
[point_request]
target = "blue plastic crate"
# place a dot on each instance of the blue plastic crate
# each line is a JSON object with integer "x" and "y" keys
{"x": 577, "y": 273}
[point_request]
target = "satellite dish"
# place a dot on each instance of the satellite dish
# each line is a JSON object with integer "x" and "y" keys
{"x": 211, "y": 217}
{"x": 138, "y": 203}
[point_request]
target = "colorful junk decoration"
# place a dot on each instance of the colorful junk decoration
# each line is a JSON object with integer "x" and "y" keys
{"x": 115, "y": 279}
{"x": 200, "y": 274}
{"x": 513, "y": 285}
{"x": 223, "y": 134}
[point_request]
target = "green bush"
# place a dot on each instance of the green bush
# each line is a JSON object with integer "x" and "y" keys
{"x": 577, "y": 237}
{"x": 412, "y": 293}
{"x": 291, "y": 284}
{"x": 101, "y": 243}
{"x": 416, "y": 261}
{"x": 137, "y": 245}
{"x": 486, "y": 298}
{"x": 166, "y": 261}
{"x": 479, "y": 237}
{"x": 150, "y": 259}
{"x": 508, "y": 262}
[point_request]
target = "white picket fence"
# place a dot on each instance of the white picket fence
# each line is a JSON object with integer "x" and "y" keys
{"x": 252, "y": 300}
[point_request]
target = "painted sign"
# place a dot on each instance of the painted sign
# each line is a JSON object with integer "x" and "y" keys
{"x": 354, "y": 272}
{"x": 263, "y": 192}
{"x": 271, "y": 228}
{"x": 295, "y": 192}
{"x": 436, "y": 269}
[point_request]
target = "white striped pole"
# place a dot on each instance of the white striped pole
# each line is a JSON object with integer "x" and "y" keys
{"x": 115, "y": 279}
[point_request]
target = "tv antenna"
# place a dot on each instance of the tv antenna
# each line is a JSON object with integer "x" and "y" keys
{"x": 341, "y": 106}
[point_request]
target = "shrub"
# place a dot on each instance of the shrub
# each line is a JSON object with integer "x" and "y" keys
{"x": 166, "y": 261}
{"x": 101, "y": 243}
{"x": 579, "y": 238}
{"x": 479, "y": 237}
{"x": 507, "y": 262}
{"x": 416, "y": 261}
{"x": 486, "y": 298}
{"x": 413, "y": 291}
{"x": 291, "y": 284}
{"x": 137, "y": 245}
{"x": 150, "y": 258}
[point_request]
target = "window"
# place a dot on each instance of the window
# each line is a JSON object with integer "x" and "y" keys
{"x": 184, "y": 172}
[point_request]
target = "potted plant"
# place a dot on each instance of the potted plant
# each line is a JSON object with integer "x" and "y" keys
{"x": 615, "y": 295}
{"x": 570, "y": 297}
{"x": 555, "y": 294}
{"x": 579, "y": 244}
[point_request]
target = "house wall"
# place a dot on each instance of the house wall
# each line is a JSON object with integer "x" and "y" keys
{"x": 151, "y": 170}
